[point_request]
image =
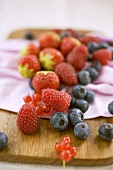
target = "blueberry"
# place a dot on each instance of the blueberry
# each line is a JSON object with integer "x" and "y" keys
{"x": 81, "y": 130}
{"x": 83, "y": 105}
{"x": 65, "y": 34}
{"x": 89, "y": 57}
{"x": 29, "y": 36}
{"x": 92, "y": 46}
{"x": 30, "y": 84}
{"x": 110, "y": 107}
{"x": 103, "y": 46}
{"x": 79, "y": 91}
{"x": 3, "y": 140}
{"x": 59, "y": 121}
{"x": 75, "y": 116}
{"x": 84, "y": 77}
{"x": 73, "y": 102}
{"x": 93, "y": 73}
{"x": 97, "y": 65}
{"x": 106, "y": 131}
{"x": 89, "y": 96}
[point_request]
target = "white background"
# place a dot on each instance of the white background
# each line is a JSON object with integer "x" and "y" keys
{"x": 82, "y": 14}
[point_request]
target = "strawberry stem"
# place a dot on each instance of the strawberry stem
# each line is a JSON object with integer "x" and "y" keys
{"x": 64, "y": 165}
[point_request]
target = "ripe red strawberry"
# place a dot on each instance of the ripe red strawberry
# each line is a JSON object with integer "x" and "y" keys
{"x": 28, "y": 65}
{"x": 78, "y": 56}
{"x": 68, "y": 43}
{"x": 66, "y": 73}
{"x": 50, "y": 57}
{"x": 45, "y": 79}
{"x": 103, "y": 56}
{"x": 30, "y": 49}
{"x": 27, "y": 120}
{"x": 49, "y": 39}
{"x": 87, "y": 39}
{"x": 59, "y": 101}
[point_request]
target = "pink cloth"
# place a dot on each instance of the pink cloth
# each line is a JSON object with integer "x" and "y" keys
{"x": 13, "y": 87}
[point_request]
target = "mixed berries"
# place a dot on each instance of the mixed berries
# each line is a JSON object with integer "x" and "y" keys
{"x": 57, "y": 62}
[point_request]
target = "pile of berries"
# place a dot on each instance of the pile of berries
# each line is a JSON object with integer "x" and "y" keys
{"x": 58, "y": 60}
{"x": 67, "y": 152}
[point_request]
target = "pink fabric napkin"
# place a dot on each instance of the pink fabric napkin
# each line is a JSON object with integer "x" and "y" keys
{"x": 13, "y": 87}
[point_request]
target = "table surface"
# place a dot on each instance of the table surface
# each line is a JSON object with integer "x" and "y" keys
{"x": 14, "y": 15}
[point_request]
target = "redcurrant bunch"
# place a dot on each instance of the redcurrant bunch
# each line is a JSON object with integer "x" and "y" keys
{"x": 36, "y": 100}
{"x": 67, "y": 152}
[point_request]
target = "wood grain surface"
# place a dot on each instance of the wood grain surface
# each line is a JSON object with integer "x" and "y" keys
{"x": 39, "y": 148}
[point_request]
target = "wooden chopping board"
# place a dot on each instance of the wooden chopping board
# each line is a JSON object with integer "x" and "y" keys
{"x": 39, "y": 148}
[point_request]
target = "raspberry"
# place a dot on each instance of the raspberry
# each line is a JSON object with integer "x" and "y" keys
{"x": 69, "y": 76}
{"x": 78, "y": 56}
{"x": 59, "y": 101}
{"x": 28, "y": 65}
{"x": 103, "y": 56}
{"x": 68, "y": 43}
{"x": 87, "y": 39}
{"x": 27, "y": 120}
{"x": 49, "y": 39}
{"x": 45, "y": 79}
{"x": 50, "y": 57}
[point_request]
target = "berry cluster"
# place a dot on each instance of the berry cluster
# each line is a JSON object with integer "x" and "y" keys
{"x": 58, "y": 60}
{"x": 36, "y": 101}
{"x": 67, "y": 152}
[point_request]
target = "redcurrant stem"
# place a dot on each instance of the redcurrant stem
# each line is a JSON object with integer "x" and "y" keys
{"x": 64, "y": 165}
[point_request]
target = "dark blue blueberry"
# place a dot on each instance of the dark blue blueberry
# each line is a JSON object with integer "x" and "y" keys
{"x": 97, "y": 65}
{"x": 89, "y": 96}
{"x": 92, "y": 46}
{"x": 84, "y": 77}
{"x": 29, "y": 36}
{"x": 93, "y": 73}
{"x": 106, "y": 131}
{"x": 3, "y": 140}
{"x": 59, "y": 121}
{"x": 75, "y": 116}
{"x": 89, "y": 57}
{"x": 110, "y": 107}
{"x": 79, "y": 91}
{"x": 103, "y": 46}
{"x": 83, "y": 105}
{"x": 30, "y": 84}
{"x": 65, "y": 34}
{"x": 73, "y": 102}
{"x": 81, "y": 130}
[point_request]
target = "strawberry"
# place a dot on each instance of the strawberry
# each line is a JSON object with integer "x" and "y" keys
{"x": 68, "y": 43}
{"x": 27, "y": 120}
{"x": 50, "y": 57}
{"x": 59, "y": 101}
{"x": 87, "y": 39}
{"x": 30, "y": 49}
{"x": 103, "y": 56}
{"x": 78, "y": 57}
{"x": 49, "y": 39}
{"x": 45, "y": 79}
{"x": 28, "y": 65}
{"x": 66, "y": 73}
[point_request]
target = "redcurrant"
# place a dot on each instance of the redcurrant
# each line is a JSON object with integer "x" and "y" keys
{"x": 67, "y": 138}
{"x": 36, "y": 97}
{"x": 27, "y": 99}
{"x": 65, "y": 145}
{"x": 39, "y": 110}
{"x": 73, "y": 151}
{"x": 65, "y": 155}
{"x": 58, "y": 147}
